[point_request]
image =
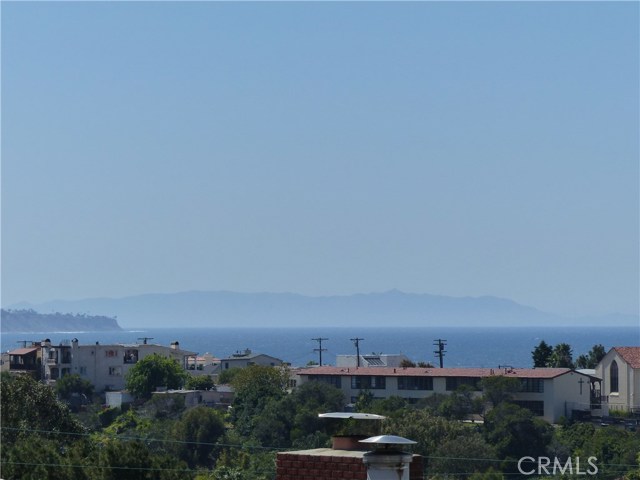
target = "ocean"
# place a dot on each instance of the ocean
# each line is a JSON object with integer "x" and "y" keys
{"x": 465, "y": 346}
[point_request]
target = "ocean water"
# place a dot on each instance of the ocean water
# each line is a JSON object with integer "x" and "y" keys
{"x": 466, "y": 347}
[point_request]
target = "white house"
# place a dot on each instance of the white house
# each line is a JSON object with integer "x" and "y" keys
{"x": 620, "y": 374}
{"x": 105, "y": 366}
{"x": 550, "y": 393}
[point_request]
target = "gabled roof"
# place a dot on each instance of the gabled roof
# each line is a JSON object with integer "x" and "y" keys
{"x": 437, "y": 372}
{"x": 23, "y": 351}
{"x": 631, "y": 355}
{"x": 248, "y": 356}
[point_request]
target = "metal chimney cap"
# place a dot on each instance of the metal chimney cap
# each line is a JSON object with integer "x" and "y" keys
{"x": 388, "y": 440}
{"x": 356, "y": 415}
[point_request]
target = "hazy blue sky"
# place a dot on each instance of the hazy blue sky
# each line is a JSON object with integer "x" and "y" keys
{"x": 322, "y": 148}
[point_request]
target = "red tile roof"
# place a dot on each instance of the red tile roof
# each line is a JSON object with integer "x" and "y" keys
{"x": 23, "y": 351}
{"x": 631, "y": 355}
{"x": 436, "y": 372}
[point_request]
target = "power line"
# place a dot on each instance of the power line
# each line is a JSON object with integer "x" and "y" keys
{"x": 248, "y": 447}
{"x": 320, "y": 349}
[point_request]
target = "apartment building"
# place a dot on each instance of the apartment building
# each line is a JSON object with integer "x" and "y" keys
{"x": 549, "y": 393}
{"x": 104, "y": 365}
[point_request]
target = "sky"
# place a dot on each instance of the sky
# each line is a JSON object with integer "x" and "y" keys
{"x": 323, "y": 148}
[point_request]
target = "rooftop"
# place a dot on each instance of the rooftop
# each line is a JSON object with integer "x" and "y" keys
{"x": 23, "y": 351}
{"x": 328, "y": 452}
{"x": 437, "y": 372}
{"x": 631, "y": 355}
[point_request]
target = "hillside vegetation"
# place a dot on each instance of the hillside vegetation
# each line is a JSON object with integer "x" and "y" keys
{"x": 32, "y": 321}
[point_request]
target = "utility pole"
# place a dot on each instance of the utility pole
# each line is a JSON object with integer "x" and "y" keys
{"x": 440, "y": 351}
{"x": 320, "y": 349}
{"x": 356, "y": 342}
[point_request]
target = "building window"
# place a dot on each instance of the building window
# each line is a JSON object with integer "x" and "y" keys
{"x": 534, "y": 406}
{"x": 613, "y": 374}
{"x": 110, "y": 353}
{"x": 533, "y": 385}
{"x": 454, "y": 382}
{"x": 366, "y": 382}
{"x": 334, "y": 380}
{"x": 415, "y": 383}
{"x": 131, "y": 356}
{"x": 115, "y": 371}
{"x": 83, "y": 370}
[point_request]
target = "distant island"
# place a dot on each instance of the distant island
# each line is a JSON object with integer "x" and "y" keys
{"x": 32, "y": 321}
{"x": 235, "y": 309}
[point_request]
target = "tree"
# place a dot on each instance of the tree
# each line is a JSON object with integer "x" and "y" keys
{"x": 459, "y": 456}
{"x": 407, "y": 363}
{"x": 562, "y": 356}
{"x": 72, "y": 385}
{"x": 29, "y": 407}
{"x": 542, "y": 355}
{"x": 499, "y": 388}
{"x": 154, "y": 371}
{"x": 199, "y": 382}
{"x": 389, "y": 406}
{"x": 255, "y": 386}
{"x": 461, "y": 403}
{"x": 515, "y": 433}
{"x": 227, "y": 376}
{"x": 364, "y": 401}
{"x": 34, "y": 458}
{"x": 196, "y": 433}
{"x": 591, "y": 359}
{"x": 425, "y": 365}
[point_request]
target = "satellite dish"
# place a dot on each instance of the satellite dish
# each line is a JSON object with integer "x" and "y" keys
{"x": 355, "y": 415}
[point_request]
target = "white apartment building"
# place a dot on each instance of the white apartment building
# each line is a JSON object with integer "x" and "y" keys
{"x": 105, "y": 366}
{"x": 620, "y": 374}
{"x": 549, "y": 393}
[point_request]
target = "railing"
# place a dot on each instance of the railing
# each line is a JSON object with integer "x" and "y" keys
{"x": 22, "y": 366}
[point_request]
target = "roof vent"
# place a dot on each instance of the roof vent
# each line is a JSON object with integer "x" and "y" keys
{"x": 387, "y": 461}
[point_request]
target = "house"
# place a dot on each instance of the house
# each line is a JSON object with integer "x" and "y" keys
{"x": 104, "y": 365}
{"x": 549, "y": 393}
{"x": 245, "y": 359}
{"x": 26, "y": 360}
{"x": 203, "y": 364}
{"x": 619, "y": 370}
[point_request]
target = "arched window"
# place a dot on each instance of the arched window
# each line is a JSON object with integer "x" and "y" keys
{"x": 613, "y": 374}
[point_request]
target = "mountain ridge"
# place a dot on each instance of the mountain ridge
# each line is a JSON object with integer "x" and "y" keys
{"x": 201, "y": 308}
